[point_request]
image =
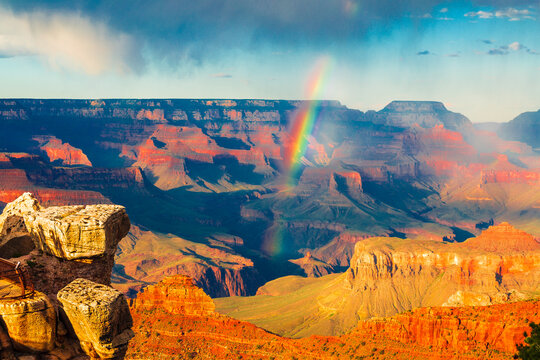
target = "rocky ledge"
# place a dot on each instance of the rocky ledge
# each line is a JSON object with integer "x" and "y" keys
{"x": 67, "y": 309}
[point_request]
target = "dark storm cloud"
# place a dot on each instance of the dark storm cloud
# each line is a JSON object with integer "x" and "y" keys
{"x": 197, "y": 30}
{"x": 188, "y": 30}
{"x": 425, "y": 52}
{"x": 287, "y": 19}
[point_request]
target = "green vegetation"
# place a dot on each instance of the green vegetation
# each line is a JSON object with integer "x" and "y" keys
{"x": 530, "y": 351}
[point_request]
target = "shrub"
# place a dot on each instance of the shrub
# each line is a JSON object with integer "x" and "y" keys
{"x": 530, "y": 351}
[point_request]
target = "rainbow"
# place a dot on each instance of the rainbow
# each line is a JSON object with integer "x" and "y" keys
{"x": 304, "y": 120}
{"x": 301, "y": 128}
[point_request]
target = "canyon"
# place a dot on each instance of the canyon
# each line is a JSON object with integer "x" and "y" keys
{"x": 397, "y": 223}
{"x": 216, "y": 170}
{"x": 389, "y": 275}
{"x": 192, "y": 329}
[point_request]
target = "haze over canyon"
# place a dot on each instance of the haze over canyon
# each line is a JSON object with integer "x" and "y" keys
{"x": 378, "y": 222}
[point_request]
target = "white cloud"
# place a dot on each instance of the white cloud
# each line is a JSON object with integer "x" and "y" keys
{"x": 514, "y": 14}
{"x": 480, "y": 14}
{"x": 68, "y": 40}
{"x": 511, "y": 14}
{"x": 515, "y": 46}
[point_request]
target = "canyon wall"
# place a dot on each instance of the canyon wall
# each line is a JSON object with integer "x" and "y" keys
{"x": 188, "y": 327}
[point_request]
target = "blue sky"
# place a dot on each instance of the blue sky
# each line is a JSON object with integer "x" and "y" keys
{"x": 480, "y": 58}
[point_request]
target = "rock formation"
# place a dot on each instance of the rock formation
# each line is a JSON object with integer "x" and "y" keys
{"x": 99, "y": 316}
{"x": 14, "y": 237}
{"x": 391, "y": 275}
{"x": 21, "y": 172}
{"x": 62, "y": 233}
{"x": 145, "y": 257}
{"x": 491, "y": 267}
{"x": 30, "y": 322}
{"x": 503, "y": 238}
{"x": 427, "y": 333}
{"x": 524, "y": 128}
{"x": 76, "y": 232}
{"x": 62, "y": 152}
{"x": 176, "y": 295}
{"x": 497, "y": 327}
{"x": 313, "y": 267}
{"x": 71, "y": 242}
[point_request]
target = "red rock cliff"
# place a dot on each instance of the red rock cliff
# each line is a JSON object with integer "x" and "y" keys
{"x": 498, "y": 327}
{"x": 176, "y": 295}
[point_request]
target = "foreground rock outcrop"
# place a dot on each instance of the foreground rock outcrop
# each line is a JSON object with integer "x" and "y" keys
{"x": 62, "y": 243}
{"x": 77, "y": 232}
{"x": 30, "y": 322}
{"x": 14, "y": 236}
{"x": 55, "y": 246}
{"x": 99, "y": 316}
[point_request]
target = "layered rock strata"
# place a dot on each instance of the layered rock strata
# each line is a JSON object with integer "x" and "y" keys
{"x": 392, "y": 275}
{"x": 146, "y": 257}
{"x": 388, "y": 276}
{"x": 176, "y": 295}
{"x": 488, "y": 332}
{"x": 64, "y": 153}
{"x": 313, "y": 267}
{"x": 497, "y": 327}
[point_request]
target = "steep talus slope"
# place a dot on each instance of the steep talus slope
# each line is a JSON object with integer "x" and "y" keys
{"x": 392, "y": 275}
